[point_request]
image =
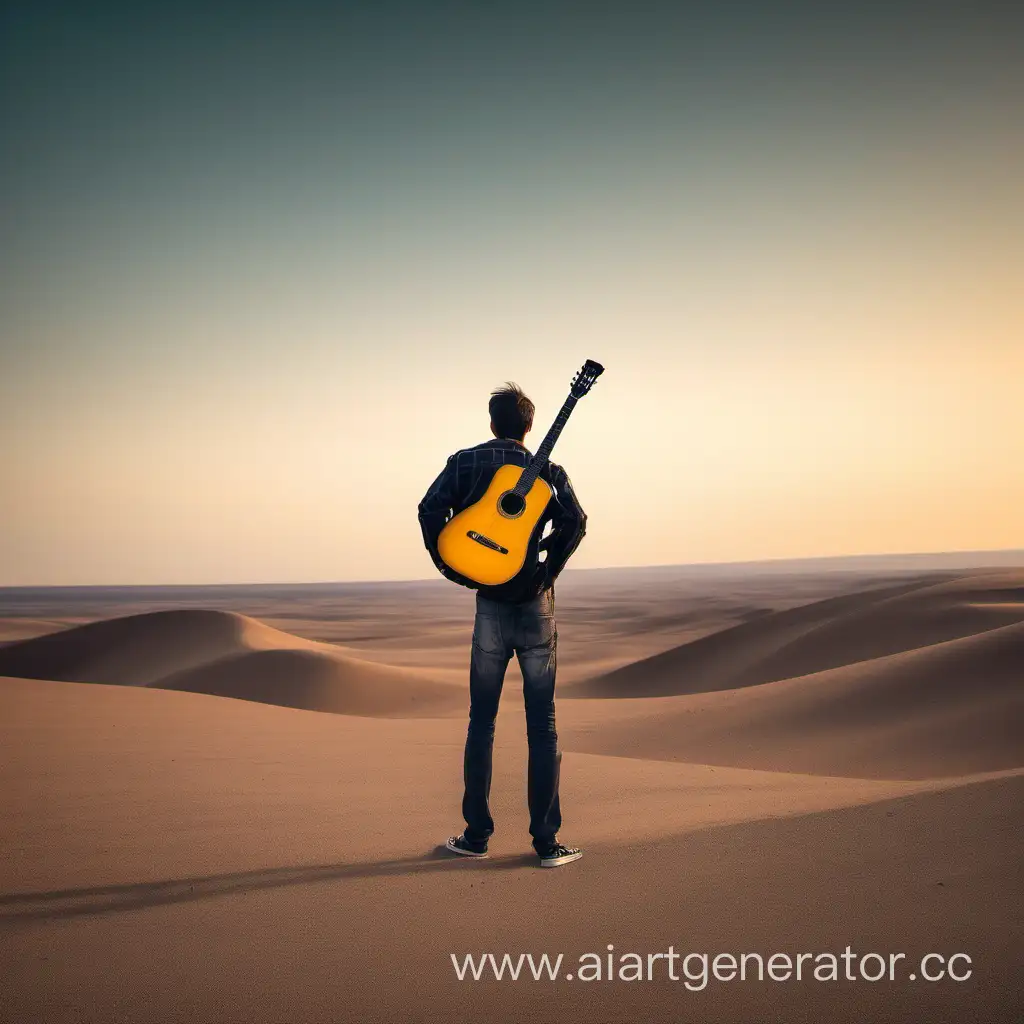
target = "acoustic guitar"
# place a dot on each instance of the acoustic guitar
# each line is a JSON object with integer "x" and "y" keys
{"x": 490, "y": 542}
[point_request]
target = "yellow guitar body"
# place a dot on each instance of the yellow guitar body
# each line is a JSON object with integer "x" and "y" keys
{"x": 485, "y": 544}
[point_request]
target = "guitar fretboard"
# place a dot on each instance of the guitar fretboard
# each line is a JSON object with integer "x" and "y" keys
{"x": 539, "y": 461}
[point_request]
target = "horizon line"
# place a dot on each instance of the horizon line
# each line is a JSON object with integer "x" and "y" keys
{"x": 603, "y": 568}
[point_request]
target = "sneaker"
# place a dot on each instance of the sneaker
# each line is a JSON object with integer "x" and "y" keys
{"x": 460, "y": 844}
{"x": 556, "y": 855}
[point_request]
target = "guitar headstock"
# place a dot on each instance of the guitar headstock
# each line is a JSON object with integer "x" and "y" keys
{"x": 585, "y": 378}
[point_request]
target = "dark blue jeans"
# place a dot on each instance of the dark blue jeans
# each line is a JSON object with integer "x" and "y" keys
{"x": 528, "y": 629}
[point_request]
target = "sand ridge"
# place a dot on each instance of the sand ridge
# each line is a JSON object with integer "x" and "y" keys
{"x": 230, "y": 655}
{"x": 923, "y": 669}
{"x": 822, "y": 635}
{"x": 943, "y": 710}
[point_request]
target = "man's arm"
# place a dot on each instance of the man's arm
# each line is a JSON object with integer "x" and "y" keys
{"x": 435, "y": 510}
{"x": 569, "y": 524}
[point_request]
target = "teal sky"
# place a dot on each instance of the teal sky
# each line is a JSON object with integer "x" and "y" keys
{"x": 262, "y": 265}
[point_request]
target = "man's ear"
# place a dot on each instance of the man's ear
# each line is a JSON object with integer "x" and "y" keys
{"x": 493, "y": 430}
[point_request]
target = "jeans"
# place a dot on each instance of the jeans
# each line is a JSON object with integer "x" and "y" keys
{"x": 528, "y": 629}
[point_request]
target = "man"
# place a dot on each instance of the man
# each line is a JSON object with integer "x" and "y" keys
{"x": 516, "y": 616}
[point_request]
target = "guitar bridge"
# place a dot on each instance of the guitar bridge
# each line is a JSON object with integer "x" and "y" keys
{"x": 486, "y": 541}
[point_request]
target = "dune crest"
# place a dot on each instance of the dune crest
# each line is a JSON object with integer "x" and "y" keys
{"x": 823, "y": 635}
{"x": 230, "y": 655}
{"x": 947, "y": 709}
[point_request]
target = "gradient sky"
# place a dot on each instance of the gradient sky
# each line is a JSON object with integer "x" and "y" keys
{"x": 262, "y": 265}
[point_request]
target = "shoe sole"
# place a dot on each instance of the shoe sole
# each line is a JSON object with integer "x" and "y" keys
{"x": 449, "y": 845}
{"x": 557, "y": 862}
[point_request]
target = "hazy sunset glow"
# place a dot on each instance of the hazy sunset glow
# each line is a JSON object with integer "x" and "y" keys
{"x": 259, "y": 280}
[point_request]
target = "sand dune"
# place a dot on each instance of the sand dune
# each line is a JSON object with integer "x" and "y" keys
{"x": 945, "y": 709}
{"x": 136, "y": 650}
{"x": 607, "y": 618}
{"x": 320, "y": 680}
{"x": 819, "y": 636}
{"x": 890, "y": 666}
{"x": 26, "y": 627}
{"x": 230, "y": 655}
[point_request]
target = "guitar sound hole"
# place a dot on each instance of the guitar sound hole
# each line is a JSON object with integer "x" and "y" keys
{"x": 511, "y": 505}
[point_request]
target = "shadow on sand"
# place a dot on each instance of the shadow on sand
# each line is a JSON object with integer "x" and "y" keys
{"x": 107, "y": 899}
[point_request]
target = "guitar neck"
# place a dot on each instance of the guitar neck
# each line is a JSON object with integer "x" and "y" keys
{"x": 540, "y": 460}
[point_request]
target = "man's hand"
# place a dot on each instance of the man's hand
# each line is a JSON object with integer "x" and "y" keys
{"x": 539, "y": 580}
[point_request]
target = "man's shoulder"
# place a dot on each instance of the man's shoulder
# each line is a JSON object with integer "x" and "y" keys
{"x": 560, "y": 483}
{"x": 500, "y": 448}
{"x": 555, "y": 472}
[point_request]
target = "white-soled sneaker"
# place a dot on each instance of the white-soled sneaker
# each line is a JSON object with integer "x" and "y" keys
{"x": 557, "y": 855}
{"x": 459, "y": 844}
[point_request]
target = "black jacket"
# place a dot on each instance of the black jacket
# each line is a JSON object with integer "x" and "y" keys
{"x": 463, "y": 482}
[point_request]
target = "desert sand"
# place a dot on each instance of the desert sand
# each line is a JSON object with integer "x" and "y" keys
{"x": 226, "y": 803}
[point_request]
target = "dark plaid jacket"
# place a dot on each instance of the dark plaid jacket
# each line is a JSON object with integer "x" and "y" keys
{"x": 463, "y": 482}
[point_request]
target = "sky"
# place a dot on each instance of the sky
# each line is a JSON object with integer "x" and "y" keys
{"x": 263, "y": 264}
